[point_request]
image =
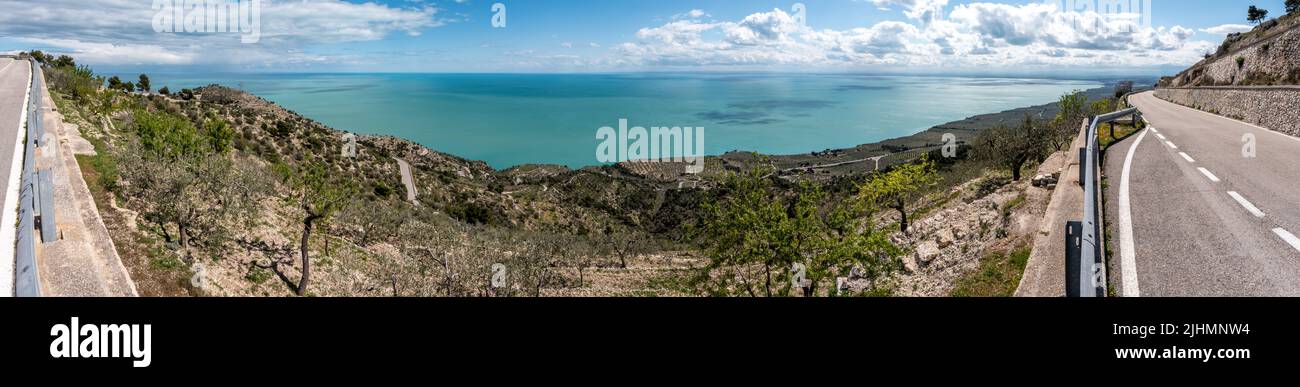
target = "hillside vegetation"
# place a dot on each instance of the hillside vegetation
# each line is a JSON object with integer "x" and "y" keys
{"x": 214, "y": 191}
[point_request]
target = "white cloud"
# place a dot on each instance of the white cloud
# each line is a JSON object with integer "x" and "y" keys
{"x": 692, "y": 14}
{"x": 924, "y": 10}
{"x": 333, "y": 21}
{"x": 88, "y": 52}
{"x": 971, "y": 35}
{"x": 121, "y": 31}
{"x": 1227, "y": 29}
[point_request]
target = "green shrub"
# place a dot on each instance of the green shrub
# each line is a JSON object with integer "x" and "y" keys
{"x": 990, "y": 185}
{"x": 166, "y": 135}
{"x": 383, "y": 190}
{"x": 258, "y": 276}
{"x": 997, "y": 276}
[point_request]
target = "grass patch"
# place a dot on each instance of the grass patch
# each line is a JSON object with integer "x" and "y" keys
{"x": 1010, "y": 207}
{"x": 259, "y": 276}
{"x": 682, "y": 281}
{"x": 1104, "y": 138}
{"x": 998, "y": 275}
{"x": 165, "y": 263}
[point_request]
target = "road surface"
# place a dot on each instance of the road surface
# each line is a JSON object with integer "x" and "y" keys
{"x": 14, "y": 77}
{"x": 407, "y": 180}
{"x": 1196, "y": 214}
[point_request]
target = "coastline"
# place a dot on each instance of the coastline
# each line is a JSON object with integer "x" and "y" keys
{"x": 829, "y": 162}
{"x": 550, "y": 115}
{"x": 862, "y": 158}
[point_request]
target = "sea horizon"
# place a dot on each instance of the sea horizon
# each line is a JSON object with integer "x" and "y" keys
{"x": 512, "y": 119}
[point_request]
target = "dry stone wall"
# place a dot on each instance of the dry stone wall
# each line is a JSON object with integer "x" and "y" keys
{"x": 1276, "y": 108}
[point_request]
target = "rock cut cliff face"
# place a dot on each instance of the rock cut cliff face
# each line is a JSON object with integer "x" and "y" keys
{"x": 1266, "y": 56}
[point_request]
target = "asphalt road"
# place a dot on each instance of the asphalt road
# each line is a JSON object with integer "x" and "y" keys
{"x": 407, "y": 180}
{"x": 1207, "y": 218}
{"x": 14, "y": 76}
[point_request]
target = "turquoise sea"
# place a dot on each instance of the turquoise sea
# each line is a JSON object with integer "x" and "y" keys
{"x": 513, "y": 119}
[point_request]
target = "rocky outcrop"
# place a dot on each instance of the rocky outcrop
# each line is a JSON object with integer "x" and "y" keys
{"x": 1269, "y": 55}
{"x": 1269, "y": 107}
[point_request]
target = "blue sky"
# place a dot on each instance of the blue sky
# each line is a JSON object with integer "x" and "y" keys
{"x": 640, "y": 35}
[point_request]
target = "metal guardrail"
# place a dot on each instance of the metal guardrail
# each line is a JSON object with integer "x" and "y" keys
{"x": 27, "y": 282}
{"x": 1085, "y": 257}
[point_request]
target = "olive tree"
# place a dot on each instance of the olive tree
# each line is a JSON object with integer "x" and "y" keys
{"x": 753, "y": 234}
{"x": 898, "y": 188}
{"x": 181, "y": 176}
{"x": 1012, "y": 147}
{"x": 1065, "y": 126}
{"x": 317, "y": 195}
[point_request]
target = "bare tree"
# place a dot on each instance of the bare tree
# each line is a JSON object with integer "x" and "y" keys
{"x": 624, "y": 244}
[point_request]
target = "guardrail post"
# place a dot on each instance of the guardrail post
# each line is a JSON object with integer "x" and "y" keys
{"x": 49, "y": 233}
{"x": 1073, "y": 256}
{"x": 1083, "y": 165}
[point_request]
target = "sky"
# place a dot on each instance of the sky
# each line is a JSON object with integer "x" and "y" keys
{"x": 1025, "y": 36}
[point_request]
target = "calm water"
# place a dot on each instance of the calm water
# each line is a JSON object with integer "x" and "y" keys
{"x": 512, "y": 119}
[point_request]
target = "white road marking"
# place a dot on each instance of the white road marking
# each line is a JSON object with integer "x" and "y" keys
{"x": 1207, "y": 173}
{"x": 1153, "y": 129}
{"x": 1246, "y": 203}
{"x": 1128, "y": 257}
{"x": 9, "y": 235}
{"x": 1162, "y": 137}
{"x": 1171, "y": 144}
{"x": 1288, "y": 237}
{"x": 1186, "y": 157}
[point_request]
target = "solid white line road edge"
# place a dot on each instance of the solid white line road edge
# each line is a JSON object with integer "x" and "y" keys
{"x": 1246, "y": 203}
{"x": 1288, "y": 237}
{"x": 1128, "y": 257}
{"x": 1209, "y": 175}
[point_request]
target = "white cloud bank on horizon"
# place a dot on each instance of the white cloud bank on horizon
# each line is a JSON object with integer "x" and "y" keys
{"x": 120, "y": 32}
{"x": 972, "y": 35}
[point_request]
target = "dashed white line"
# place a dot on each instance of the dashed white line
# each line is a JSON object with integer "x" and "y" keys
{"x": 1186, "y": 157}
{"x": 1288, "y": 237}
{"x": 1128, "y": 258}
{"x": 1207, "y": 173}
{"x": 1171, "y": 144}
{"x": 1246, "y": 203}
{"x": 1161, "y": 136}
